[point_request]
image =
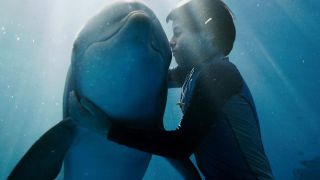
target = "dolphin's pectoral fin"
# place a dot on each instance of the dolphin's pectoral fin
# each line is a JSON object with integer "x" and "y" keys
{"x": 44, "y": 159}
{"x": 186, "y": 168}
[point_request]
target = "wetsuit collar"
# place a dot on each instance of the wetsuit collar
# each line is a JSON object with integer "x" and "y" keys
{"x": 215, "y": 58}
{"x": 211, "y": 60}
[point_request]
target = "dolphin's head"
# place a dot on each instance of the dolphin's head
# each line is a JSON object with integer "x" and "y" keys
{"x": 120, "y": 62}
{"x": 133, "y": 18}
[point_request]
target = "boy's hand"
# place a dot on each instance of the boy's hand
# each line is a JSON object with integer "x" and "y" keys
{"x": 88, "y": 115}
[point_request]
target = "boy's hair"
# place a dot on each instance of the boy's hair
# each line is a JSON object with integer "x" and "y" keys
{"x": 211, "y": 16}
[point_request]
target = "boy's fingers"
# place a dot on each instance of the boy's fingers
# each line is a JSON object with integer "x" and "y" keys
{"x": 94, "y": 109}
{"x": 72, "y": 99}
{"x": 89, "y": 106}
{"x": 75, "y": 108}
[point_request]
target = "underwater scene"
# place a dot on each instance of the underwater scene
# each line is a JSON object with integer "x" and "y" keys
{"x": 276, "y": 50}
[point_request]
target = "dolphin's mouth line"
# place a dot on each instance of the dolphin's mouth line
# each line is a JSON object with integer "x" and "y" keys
{"x": 157, "y": 50}
{"x": 123, "y": 23}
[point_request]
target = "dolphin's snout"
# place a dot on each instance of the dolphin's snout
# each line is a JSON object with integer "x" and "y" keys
{"x": 139, "y": 17}
{"x": 139, "y": 25}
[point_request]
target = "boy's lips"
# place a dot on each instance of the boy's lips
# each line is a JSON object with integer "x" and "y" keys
{"x": 174, "y": 52}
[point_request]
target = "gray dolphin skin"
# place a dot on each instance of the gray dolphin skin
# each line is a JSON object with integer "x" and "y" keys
{"x": 120, "y": 62}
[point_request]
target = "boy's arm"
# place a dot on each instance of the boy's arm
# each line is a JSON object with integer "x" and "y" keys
{"x": 214, "y": 86}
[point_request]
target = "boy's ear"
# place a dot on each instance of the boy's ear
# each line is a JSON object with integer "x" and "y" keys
{"x": 207, "y": 38}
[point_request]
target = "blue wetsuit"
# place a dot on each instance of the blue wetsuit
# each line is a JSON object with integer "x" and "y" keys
{"x": 219, "y": 125}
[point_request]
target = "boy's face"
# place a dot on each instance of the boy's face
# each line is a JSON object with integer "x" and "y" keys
{"x": 187, "y": 46}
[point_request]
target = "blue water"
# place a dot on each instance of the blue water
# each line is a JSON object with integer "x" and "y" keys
{"x": 276, "y": 50}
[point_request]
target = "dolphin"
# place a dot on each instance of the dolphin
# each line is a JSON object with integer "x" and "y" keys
{"x": 120, "y": 61}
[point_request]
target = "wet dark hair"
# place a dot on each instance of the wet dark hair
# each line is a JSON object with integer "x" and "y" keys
{"x": 211, "y": 16}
